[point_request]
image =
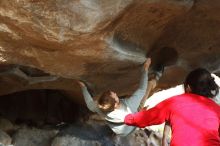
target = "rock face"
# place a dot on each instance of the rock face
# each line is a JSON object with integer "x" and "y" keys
{"x": 49, "y": 44}
{"x": 75, "y": 134}
{"x": 5, "y": 139}
{"x": 33, "y": 137}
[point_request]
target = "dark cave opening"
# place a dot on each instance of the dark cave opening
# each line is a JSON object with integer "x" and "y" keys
{"x": 41, "y": 107}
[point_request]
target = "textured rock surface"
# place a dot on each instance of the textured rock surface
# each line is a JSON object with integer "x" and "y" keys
{"x": 99, "y": 134}
{"x": 33, "y": 137}
{"x": 68, "y": 140}
{"x": 76, "y": 134}
{"x": 6, "y": 125}
{"x": 49, "y": 44}
{"x": 5, "y": 139}
{"x": 104, "y": 42}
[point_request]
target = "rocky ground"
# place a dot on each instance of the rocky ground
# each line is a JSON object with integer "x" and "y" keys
{"x": 49, "y": 118}
{"x": 90, "y": 133}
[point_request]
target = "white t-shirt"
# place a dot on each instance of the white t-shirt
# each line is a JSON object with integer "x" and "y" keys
{"x": 115, "y": 119}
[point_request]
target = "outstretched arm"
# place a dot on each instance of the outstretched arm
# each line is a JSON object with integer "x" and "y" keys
{"x": 151, "y": 85}
{"x": 154, "y": 116}
{"x": 88, "y": 98}
{"x": 134, "y": 101}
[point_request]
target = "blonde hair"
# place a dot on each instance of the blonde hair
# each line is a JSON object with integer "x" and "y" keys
{"x": 105, "y": 102}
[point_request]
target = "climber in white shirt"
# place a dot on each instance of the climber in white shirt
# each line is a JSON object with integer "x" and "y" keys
{"x": 114, "y": 109}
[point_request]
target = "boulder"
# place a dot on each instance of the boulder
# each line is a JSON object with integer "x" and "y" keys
{"x": 33, "y": 137}
{"x": 5, "y": 139}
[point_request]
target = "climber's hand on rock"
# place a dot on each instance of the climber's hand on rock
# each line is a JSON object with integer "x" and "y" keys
{"x": 81, "y": 84}
{"x": 147, "y": 64}
{"x": 144, "y": 108}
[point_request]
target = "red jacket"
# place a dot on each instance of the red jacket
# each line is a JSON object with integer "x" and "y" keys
{"x": 194, "y": 119}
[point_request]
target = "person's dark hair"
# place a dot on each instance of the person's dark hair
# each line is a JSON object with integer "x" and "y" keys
{"x": 202, "y": 83}
{"x": 105, "y": 102}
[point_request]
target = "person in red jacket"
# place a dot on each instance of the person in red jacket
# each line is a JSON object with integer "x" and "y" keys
{"x": 193, "y": 116}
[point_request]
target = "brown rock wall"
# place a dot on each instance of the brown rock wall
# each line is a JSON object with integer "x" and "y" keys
{"x": 105, "y": 42}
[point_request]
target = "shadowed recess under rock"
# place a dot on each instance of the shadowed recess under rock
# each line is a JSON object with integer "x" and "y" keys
{"x": 41, "y": 107}
{"x": 165, "y": 56}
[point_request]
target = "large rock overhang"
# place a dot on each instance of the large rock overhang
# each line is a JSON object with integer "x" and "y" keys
{"x": 105, "y": 42}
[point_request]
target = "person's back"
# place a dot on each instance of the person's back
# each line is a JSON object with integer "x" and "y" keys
{"x": 194, "y": 120}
